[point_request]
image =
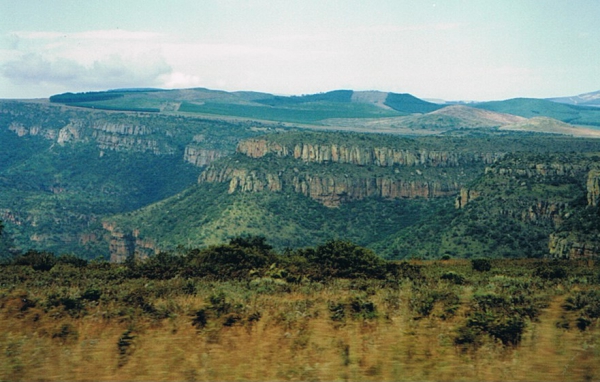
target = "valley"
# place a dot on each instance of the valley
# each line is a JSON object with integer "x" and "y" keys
{"x": 343, "y": 235}
{"x": 137, "y": 171}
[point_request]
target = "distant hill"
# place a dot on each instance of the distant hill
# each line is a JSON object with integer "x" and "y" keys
{"x": 586, "y": 99}
{"x": 533, "y": 107}
{"x": 306, "y": 109}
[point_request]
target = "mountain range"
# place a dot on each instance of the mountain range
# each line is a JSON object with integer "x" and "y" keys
{"x": 131, "y": 172}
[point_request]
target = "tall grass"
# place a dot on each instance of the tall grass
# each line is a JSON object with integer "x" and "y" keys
{"x": 97, "y": 323}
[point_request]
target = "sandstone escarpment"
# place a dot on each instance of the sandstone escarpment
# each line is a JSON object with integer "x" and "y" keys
{"x": 330, "y": 190}
{"x": 127, "y": 244}
{"x": 593, "y": 187}
{"x": 362, "y": 156}
{"x": 201, "y": 157}
{"x": 540, "y": 169}
{"x": 465, "y": 196}
{"x": 572, "y": 247}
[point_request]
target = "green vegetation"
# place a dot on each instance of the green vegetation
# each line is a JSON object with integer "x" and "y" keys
{"x": 296, "y": 112}
{"x": 333, "y": 96}
{"x": 84, "y": 97}
{"x": 326, "y": 312}
{"x": 519, "y": 203}
{"x": 530, "y": 107}
{"x": 206, "y": 214}
{"x": 407, "y": 103}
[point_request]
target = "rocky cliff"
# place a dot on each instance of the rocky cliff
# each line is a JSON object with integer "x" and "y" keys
{"x": 573, "y": 246}
{"x": 357, "y": 155}
{"x": 127, "y": 244}
{"x": 593, "y": 187}
{"x": 201, "y": 157}
{"x": 329, "y": 190}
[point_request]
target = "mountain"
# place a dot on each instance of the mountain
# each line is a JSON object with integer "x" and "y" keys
{"x": 307, "y": 109}
{"x": 586, "y": 99}
{"x": 385, "y": 192}
{"x": 532, "y": 107}
{"x": 523, "y": 205}
{"x": 63, "y": 169}
{"x": 459, "y": 120}
{"x": 139, "y": 170}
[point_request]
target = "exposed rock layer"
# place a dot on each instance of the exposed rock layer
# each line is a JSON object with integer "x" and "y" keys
{"x": 378, "y": 156}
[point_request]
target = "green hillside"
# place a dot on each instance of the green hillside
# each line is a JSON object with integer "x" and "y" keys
{"x": 63, "y": 170}
{"x": 272, "y": 196}
{"x": 305, "y": 112}
{"x": 207, "y": 214}
{"x": 516, "y": 205}
{"x": 410, "y": 104}
{"x": 531, "y": 107}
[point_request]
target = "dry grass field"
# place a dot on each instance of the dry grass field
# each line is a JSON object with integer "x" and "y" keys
{"x": 437, "y": 323}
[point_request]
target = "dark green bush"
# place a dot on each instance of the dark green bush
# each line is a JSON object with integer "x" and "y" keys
{"x": 551, "y": 272}
{"x": 481, "y": 265}
{"x": 71, "y": 260}
{"x": 39, "y": 261}
{"x": 235, "y": 260}
{"x": 453, "y": 277}
{"x": 91, "y": 294}
{"x": 343, "y": 259}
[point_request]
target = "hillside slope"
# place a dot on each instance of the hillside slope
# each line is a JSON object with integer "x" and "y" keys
{"x": 299, "y": 188}
{"x": 525, "y": 204}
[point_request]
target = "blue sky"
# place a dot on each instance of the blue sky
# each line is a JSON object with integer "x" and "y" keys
{"x": 461, "y": 49}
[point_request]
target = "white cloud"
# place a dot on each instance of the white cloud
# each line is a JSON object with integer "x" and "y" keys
{"x": 112, "y": 71}
{"x": 181, "y": 80}
{"x": 86, "y": 60}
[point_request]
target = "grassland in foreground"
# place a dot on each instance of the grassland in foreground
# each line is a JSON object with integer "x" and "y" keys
{"x": 198, "y": 316}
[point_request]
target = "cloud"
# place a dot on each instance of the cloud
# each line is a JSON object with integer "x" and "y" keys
{"x": 181, "y": 80}
{"x": 112, "y": 71}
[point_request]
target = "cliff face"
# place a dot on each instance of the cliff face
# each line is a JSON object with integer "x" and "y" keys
{"x": 593, "y": 187}
{"x": 540, "y": 169}
{"x": 465, "y": 196}
{"x": 378, "y": 156}
{"x": 201, "y": 157}
{"x": 125, "y": 244}
{"x": 573, "y": 247}
{"x": 579, "y": 243}
{"x": 106, "y": 135}
{"x": 329, "y": 190}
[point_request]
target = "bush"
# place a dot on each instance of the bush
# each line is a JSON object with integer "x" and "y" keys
{"x": 71, "y": 260}
{"x": 453, "y": 277}
{"x": 551, "y": 272}
{"x": 39, "y": 261}
{"x": 230, "y": 261}
{"x": 481, "y": 265}
{"x": 343, "y": 259}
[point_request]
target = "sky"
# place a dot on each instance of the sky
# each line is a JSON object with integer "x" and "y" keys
{"x": 447, "y": 49}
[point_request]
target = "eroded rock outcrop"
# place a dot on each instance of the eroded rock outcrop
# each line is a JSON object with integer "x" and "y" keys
{"x": 465, "y": 196}
{"x": 362, "y": 156}
{"x": 572, "y": 247}
{"x": 127, "y": 244}
{"x": 201, "y": 157}
{"x": 593, "y": 187}
{"x": 540, "y": 169}
{"x": 328, "y": 189}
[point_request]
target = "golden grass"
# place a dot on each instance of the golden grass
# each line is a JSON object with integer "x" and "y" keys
{"x": 295, "y": 339}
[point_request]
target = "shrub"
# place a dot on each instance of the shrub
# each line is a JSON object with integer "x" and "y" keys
{"x": 551, "y": 272}
{"x": 231, "y": 261}
{"x": 39, "y": 261}
{"x": 162, "y": 266}
{"x": 453, "y": 277}
{"x": 481, "y": 265}
{"x": 343, "y": 259}
{"x": 71, "y": 260}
